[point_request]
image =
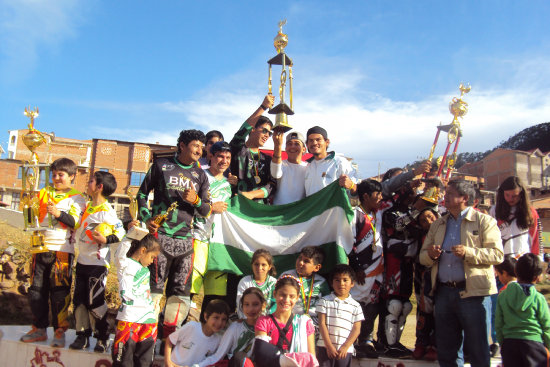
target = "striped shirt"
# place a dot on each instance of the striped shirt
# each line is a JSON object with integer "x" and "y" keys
{"x": 340, "y": 317}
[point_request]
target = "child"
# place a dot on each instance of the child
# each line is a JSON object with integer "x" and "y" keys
{"x": 367, "y": 260}
{"x": 287, "y": 331}
{"x": 137, "y": 320}
{"x": 506, "y": 271}
{"x": 195, "y": 341}
{"x": 238, "y": 338}
{"x": 312, "y": 285}
{"x": 51, "y": 271}
{"x": 522, "y": 318}
{"x": 340, "y": 319}
{"x": 93, "y": 235}
{"x": 263, "y": 271}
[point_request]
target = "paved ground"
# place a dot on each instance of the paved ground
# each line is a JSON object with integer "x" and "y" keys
{"x": 15, "y": 218}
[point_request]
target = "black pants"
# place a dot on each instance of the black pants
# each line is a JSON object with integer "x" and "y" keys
{"x": 370, "y": 312}
{"x": 90, "y": 292}
{"x": 523, "y": 353}
{"x": 51, "y": 284}
{"x": 324, "y": 361}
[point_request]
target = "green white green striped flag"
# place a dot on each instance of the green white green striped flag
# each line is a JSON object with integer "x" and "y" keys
{"x": 323, "y": 219}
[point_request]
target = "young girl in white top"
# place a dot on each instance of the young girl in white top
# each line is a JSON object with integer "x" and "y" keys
{"x": 263, "y": 272}
{"x": 136, "y": 331}
{"x": 517, "y": 220}
{"x": 238, "y": 338}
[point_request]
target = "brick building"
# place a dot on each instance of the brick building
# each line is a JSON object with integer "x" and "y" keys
{"x": 532, "y": 167}
{"x": 127, "y": 161}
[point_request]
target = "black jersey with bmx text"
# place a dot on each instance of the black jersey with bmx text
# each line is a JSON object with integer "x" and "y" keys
{"x": 168, "y": 178}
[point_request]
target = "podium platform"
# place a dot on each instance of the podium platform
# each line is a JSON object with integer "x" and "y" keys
{"x": 14, "y": 353}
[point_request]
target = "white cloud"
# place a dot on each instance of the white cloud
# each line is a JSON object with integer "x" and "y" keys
{"x": 368, "y": 127}
{"x": 29, "y": 27}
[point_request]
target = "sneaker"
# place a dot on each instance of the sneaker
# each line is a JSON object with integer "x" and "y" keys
{"x": 35, "y": 335}
{"x": 398, "y": 350}
{"x": 419, "y": 351}
{"x": 431, "y": 354}
{"x": 58, "y": 338}
{"x": 81, "y": 342}
{"x": 100, "y": 346}
{"x": 366, "y": 350}
{"x": 494, "y": 350}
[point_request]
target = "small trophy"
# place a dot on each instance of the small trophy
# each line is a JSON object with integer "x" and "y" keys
{"x": 161, "y": 218}
{"x": 30, "y": 179}
{"x": 458, "y": 108}
{"x": 282, "y": 110}
{"x": 136, "y": 232}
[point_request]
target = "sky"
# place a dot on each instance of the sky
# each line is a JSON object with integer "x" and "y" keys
{"x": 377, "y": 75}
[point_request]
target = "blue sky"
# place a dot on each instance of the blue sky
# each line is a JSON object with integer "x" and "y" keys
{"x": 378, "y": 75}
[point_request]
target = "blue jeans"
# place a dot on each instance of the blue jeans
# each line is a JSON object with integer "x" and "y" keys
{"x": 461, "y": 319}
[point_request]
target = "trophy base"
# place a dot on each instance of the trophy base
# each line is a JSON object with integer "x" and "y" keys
{"x": 137, "y": 233}
{"x": 37, "y": 243}
{"x": 38, "y": 249}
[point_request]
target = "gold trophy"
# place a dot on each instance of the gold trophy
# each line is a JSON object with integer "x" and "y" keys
{"x": 30, "y": 188}
{"x": 136, "y": 232}
{"x": 458, "y": 108}
{"x": 282, "y": 110}
{"x": 161, "y": 218}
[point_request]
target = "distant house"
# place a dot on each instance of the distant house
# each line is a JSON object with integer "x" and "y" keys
{"x": 127, "y": 161}
{"x": 532, "y": 167}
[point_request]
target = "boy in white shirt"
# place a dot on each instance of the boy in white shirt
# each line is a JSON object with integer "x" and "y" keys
{"x": 195, "y": 341}
{"x": 98, "y": 227}
{"x": 290, "y": 174}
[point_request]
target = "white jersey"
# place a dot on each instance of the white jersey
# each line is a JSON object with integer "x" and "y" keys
{"x": 137, "y": 305}
{"x": 267, "y": 289}
{"x": 290, "y": 181}
{"x": 59, "y": 238}
{"x": 90, "y": 253}
{"x": 238, "y": 337}
{"x": 368, "y": 255}
{"x": 321, "y": 173}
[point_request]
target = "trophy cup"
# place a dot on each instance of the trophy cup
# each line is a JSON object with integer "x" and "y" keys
{"x": 136, "y": 232}
{"x": 161, "y": 218}
{"x": 282, "y": 110}
{"x": 458, "y": 108}
{"x": 30, "y": 177}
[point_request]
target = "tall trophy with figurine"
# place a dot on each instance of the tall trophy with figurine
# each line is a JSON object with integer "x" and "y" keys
{"x": 281, "y": 110}
{"x": 30, "y": 188}
{"x": 458, "y": 108}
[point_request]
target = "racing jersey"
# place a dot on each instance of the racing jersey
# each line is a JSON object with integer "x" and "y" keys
{"x": 249, "y": 166}
{"x": 168, "y": 178}
{"x": 90, "y": 252}
{"x": 72, "y": 203}
{"x": 137, "y": 304}
{"x": 323, "y": 172}
{"x": 220, "y": 190}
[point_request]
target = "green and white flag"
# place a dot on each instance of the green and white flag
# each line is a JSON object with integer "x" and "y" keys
{"x": 322, "y": 219}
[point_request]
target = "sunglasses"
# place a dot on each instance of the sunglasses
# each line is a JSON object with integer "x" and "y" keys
{"x": 266, "y": 131}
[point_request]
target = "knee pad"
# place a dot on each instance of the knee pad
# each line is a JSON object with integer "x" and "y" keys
{"x": 176, "y": 310}
{"x": 395, "y": 307}
{"x": 391, "y": 324}
{"x": 82, "y": 319}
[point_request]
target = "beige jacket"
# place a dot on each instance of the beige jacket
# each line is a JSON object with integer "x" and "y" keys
{"x": 481, "y": 237}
